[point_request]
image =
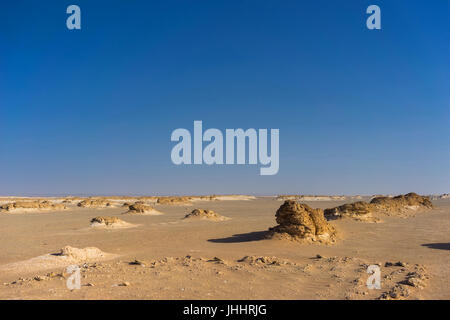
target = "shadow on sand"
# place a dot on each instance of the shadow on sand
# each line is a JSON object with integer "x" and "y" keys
{"x": 242, "y": 237}
{"x": 441, "y": 246}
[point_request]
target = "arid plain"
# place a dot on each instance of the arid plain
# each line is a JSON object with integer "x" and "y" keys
{"x": 162, "y": 248}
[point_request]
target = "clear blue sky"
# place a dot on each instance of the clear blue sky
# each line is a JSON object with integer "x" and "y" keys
{"x": 91, "y": 111}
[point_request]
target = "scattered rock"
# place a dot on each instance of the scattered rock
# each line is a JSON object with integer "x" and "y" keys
{"x": 124, "y": 284}
{"x": 395, "y": 264}
{"x": 137, "y": 263}
{"x": 217, "y": 260}
{"x": 398, "y": 292}
{"x": 256, "y": 260}
{"x": 403, "y": 289}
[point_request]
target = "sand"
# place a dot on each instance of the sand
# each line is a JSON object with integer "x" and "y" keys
{"x": 232, "y": 259}
{"x": 64, "y": 257}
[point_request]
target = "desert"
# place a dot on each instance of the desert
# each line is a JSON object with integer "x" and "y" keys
{"x": 233, "y": 247}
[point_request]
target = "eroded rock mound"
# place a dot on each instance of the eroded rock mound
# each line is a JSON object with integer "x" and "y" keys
{"x": 205, "y": 214}
{"x": 84, "y": 254}
{"x": 299, "y": 221}
{"x": 174, "y": 200}
{"x": 109, "y": 222}
{"x": 364, "y": 211}
{"x": 94, "y": 203}
{"x": 141, "y": 208}
{"x": 32, "y": 206}
{"x": 359, "y": 210}
{"x": 105, "y": 220}
{"x": 401, "y": 203}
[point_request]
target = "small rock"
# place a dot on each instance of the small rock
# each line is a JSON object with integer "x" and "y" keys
{"x": 217, "y": 260}
{"x": 395, "y": 264}
{"x": 137, "y": 262}
{"x": 124, "y": 284}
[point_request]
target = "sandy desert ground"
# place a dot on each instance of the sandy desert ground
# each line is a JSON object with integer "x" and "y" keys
{"x": 163, "y": 255}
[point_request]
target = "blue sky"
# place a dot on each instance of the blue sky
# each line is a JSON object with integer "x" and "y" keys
{"x": 92, "y": 111}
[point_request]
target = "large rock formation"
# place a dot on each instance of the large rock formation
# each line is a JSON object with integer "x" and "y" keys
{"x": 401, "y": 203}
{"x": 364, "y": 211}
{"x": 301, "y": 222}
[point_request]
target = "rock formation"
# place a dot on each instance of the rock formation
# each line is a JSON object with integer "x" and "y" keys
{"x": 364, "y": 211}
{"x": 94, "y": 203}
{"x": 299, "y": 221}
{"x": 141, "y": 208}
{"x": 401, "y": 203}
{"x": 174, "y": 200}
{"x": 205, "y": 214}
{"x": 36, "y": 205}
{"x": 357, "y": 210}
{"x": 108, "y": 221}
